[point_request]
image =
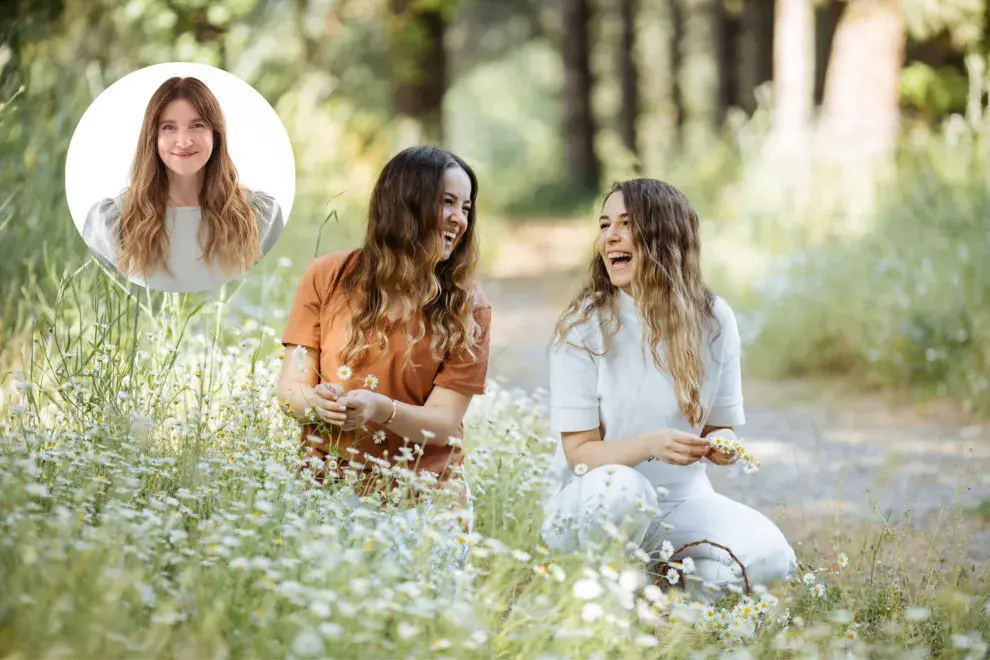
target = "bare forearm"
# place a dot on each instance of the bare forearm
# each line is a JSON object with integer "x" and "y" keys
{"x": 296, "y": 400}
{"x": 629, "y": 451}
{"x": 410, "y": 421}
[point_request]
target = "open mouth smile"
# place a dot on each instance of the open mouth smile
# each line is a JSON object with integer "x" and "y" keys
{"x": 619, "y": 259}
{"x": 448, "y": 238}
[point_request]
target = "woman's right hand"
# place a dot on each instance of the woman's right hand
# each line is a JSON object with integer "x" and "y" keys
{"x": 325, "y": 406}
{"x": 679, "y": 447}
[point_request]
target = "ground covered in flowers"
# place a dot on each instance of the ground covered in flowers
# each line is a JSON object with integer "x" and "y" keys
{"x": 153, "y": 505}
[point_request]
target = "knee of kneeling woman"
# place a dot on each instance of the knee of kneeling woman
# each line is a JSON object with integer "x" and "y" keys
{"x": 772, "y": 564}
{"x": 621, "y": 489}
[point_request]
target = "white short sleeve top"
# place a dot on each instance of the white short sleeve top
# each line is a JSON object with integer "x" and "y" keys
{"x": 626, "y": 394}
{"x": 189, "y": 272}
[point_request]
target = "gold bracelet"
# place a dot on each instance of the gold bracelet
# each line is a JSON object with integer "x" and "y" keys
{"x": 395, "y": 408}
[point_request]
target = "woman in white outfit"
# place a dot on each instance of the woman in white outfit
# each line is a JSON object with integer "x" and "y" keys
{"x": 644, "y": 359}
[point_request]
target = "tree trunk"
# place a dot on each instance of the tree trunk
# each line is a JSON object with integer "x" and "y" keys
{"x": 860, "y": 114}
{"x": 676, "y": 61}
{"x": 755, "y": 50}
{"x": 827, "y": 19}
{"x": 419, "y": 66}
{"x": 794, "y": 72}
{"x": 727, "y": 31}
{"x": 629, "y": 80}
{"x": 581, "y": 162}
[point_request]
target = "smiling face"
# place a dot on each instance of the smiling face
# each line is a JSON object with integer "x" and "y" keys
{"x": 455, "y": 209}
{"x": 615, "y": 242}
{"x": 185, "y": 140}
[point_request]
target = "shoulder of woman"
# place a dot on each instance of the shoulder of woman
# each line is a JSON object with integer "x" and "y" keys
{"x": 723, "y": 312}
{"x": 480, "y": 299}
{"x": 725, "y": 326}
{"x": 103, "y": 215}
{"x": 326, "y": 268}
{"x": 266, "y": 206}
{"x": 588, "y": 332}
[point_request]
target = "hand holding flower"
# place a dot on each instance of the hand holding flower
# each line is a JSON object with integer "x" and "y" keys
{"x": 363, "y": 406}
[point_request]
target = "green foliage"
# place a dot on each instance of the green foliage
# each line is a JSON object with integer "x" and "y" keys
{"x": 963, "y": 20}
{"x": 933, "y": 92}
{"x": 905, "y": 305}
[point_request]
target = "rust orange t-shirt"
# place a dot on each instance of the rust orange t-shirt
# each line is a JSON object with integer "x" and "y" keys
{"x": 316, "y": 321}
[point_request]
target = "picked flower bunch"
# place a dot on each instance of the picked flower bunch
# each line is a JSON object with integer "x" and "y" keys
{"x": 726, "y": 441}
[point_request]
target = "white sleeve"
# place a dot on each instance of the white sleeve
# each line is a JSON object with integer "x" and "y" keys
{"x": 573, "y": 386}
{"x": 270, "y": 220}
{"x": 727, "y": 409}
{"x": 100, "y": 231}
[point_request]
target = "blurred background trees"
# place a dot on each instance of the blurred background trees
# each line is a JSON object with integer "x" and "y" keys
{"x": 793, "y": 125}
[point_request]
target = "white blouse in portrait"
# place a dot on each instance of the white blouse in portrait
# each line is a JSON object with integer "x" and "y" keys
{"x": 626, "y": 394}
{"x": 189, "y": 272}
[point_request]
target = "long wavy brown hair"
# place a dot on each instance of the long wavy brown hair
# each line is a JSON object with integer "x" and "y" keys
{"x": 228, "y": 228}
{"x": 673, "y": 301}
{"x": 400, "y": 261}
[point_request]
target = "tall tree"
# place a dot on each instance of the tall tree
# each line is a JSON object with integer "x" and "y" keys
{"x": 827, "y": 16}
{"x": 419, "y": 64}
{"x": 755, "y": 49}
{"x": 629, "y": 80}
{"x": 794, "y": 72}
{"x": 728, "y": 27}
{"x": 860, "y": 113}
{"x": 581, "y": 161}
{"x": 677, "y": 60}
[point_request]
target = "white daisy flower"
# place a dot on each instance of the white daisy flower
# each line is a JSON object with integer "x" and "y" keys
{"x": 344, "y": 372}
{"x": 591, "y": 612}
{"x": 666, "y": 550}
{"x": 843, "y": 560}
{"x": 581, "y": 469}
{"x": 370, "y": 382}
{"x": 586, "y": 589}
{"x": 646, "y": 641}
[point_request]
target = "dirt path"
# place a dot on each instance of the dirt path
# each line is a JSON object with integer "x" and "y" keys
{"x": 830, "y": 457}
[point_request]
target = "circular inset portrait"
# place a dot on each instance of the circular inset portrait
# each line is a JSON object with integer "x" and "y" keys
{"x": 180, "y": 177}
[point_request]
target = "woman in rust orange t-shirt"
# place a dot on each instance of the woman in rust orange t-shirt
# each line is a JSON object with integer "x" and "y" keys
{"x": 387, "y": 344}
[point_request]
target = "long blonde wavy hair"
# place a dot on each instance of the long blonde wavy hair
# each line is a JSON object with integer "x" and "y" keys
{"x": 228, "y": 228}
{"x": 400, "y": 260}
{"x": 673, "y": 301}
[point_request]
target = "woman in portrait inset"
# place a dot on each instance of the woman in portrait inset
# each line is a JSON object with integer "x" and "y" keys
{"x": 387, "y": 344}
{"x": 645, "y": 363}
{"x": 184, "y": 223}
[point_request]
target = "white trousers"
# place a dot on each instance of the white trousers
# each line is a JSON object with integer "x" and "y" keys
{"x": 620, "y": 496}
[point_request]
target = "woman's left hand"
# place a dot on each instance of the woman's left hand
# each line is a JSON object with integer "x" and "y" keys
{"x": 719, "y": 457}
{"x": 363, "y": 406}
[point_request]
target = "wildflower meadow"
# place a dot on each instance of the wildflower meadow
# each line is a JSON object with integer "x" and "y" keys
{"x": 154, "y": 502}
{"x": 154, "y": 505}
